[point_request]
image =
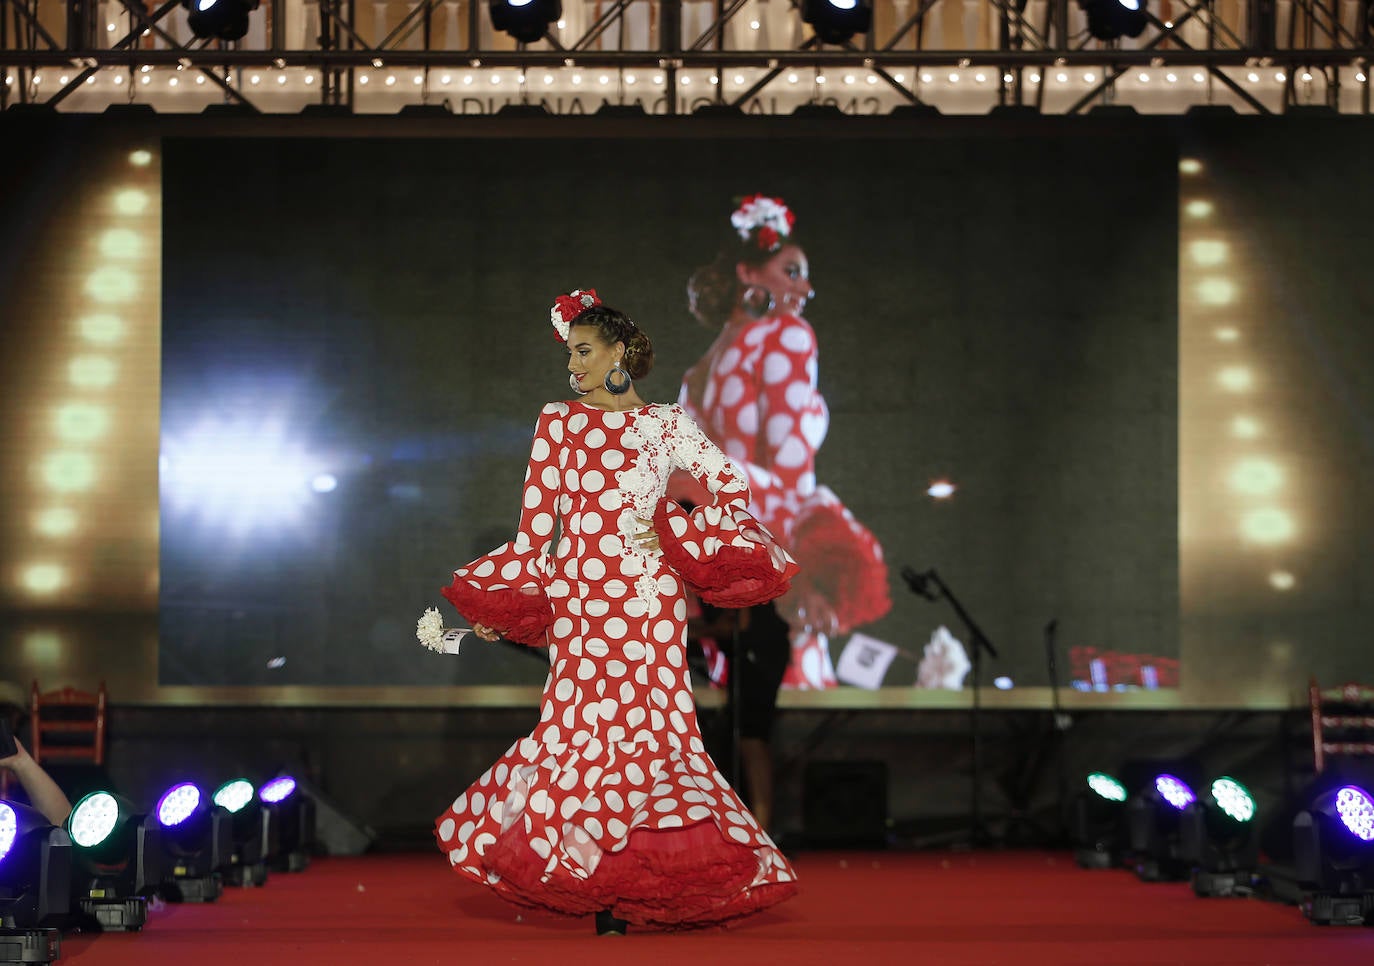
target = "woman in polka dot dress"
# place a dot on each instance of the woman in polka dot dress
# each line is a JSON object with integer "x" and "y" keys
{"x": 612, "y": 806}
{"x": 754, "y": 393}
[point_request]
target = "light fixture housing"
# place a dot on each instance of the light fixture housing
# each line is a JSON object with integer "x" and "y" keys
{"x": 525, "y": 20}
{"x": 35, "y": 875}
{"x": 254, "y": 832}
{"x": 1218, "y": 838}
{"x": 1333, "y": 851}
{"x": 1113, "y": 19}
{"x": 197, "y": 842}
{"x": 219, "y": 19}
{"x": 116, "y": 865}
{"x": 1097, "y": 822}
{"x": 837, "y": 21}
{"x": 1154, "y": 817}
{"x": 295, "y": 820}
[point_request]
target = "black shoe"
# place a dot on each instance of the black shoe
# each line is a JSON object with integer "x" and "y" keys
{"x": 609, "y": 925}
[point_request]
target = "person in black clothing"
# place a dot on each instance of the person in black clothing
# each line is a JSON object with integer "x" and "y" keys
{"x": 760, "y": 638}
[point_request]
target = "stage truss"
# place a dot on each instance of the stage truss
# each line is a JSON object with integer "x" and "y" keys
{"x": 1258, "y": 56}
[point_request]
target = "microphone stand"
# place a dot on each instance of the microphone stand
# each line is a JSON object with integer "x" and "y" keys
{"x": 930, "y": 586}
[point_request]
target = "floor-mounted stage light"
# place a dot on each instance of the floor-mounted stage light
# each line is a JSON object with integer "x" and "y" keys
{"x": 1112, "y": 19}
{"x": 1218, "y": 838}
{"x": 525, "y": 20}
{"x": 219, "y": 19}
{"x": 197, "y": 843}
{"x": 1333, "y": 849}
{"x": 836, "y": 21}
{"x": 1098, "y": 822}
{"x": 295, "y": 822}
{"x": 35, "y": 885}
{"x": 116, "y": 862}
{"x": 253, "y": 829}
{"x": 1154, "y": 817}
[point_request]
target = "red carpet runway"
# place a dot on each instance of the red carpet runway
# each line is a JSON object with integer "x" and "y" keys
{"x": 854, "y": 909}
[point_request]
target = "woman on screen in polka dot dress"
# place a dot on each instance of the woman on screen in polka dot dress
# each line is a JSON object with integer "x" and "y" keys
{"x": 612, "y": 806}
{"x": 754, "y": 393}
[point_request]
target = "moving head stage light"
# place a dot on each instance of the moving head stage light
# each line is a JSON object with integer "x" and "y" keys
{"x": 1218, "y": 838}
{"x": 837, "y": 21}
{"x": 295, "y": 823}
{"x": 1154, "y": 818}
{"x": 1098, "y": 822}
{"x": 254, "y": 832}
{"x": 197, "y": 844}
{"x": 116, "y": 863}
{"x": 525, "y": 20}
{"x": 35, "y": 885}
{"x": 219, "y": 19}
{"x": 1333, "y": 849}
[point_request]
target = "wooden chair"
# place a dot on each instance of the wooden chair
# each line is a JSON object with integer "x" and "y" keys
{"x": 1342, "y": 722}
{"x": 68, "y": 726}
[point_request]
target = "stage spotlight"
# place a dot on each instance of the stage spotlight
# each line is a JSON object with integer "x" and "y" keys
{"x": 197, "y": 842}
{"x": 35, "y": 885}
{"x": 253, "y": 830}
{"x": 1218, "y": 838}
{"x": 295, "y": 823}
{"x": 219, "y": 19}
{"x": 836, "y": 21}
{"x": 1154, "y": 818}
{"x": 1333, "y": 847}
{"x": 1098, "y": 822}
{"x": 116, "y": 865}
{"x": 1112, "y": 19}
{"x": 525, "y": 20}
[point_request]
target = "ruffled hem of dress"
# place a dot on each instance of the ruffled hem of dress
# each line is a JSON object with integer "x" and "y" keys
{"x": 733, "y": 576}
{"x": 842, "y": 561}
{"x": 668, "y": 878}
{"x": 522, "y": 616}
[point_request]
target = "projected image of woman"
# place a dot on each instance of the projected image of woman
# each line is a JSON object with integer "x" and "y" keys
{"x": 754, "y": 392}
{"x": 612, "y": 806}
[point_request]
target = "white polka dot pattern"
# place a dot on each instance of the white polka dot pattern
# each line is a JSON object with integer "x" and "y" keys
{"x": 617, "y": 748}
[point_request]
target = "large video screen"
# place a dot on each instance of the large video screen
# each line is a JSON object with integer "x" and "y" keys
{"x": 356, "y": 345}
{"x": 1102, "y": 384}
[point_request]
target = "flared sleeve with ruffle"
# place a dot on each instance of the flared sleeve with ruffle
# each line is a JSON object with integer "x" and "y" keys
{"x": 723, "y": 553}
{"x": 841, "y": 561}
{"x": 505, "y": 589}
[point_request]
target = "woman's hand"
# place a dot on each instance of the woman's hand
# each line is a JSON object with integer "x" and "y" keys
{"x": 647, "y": 537}
{"x": 484, "y": 632}
{"x": 806, "y": 609}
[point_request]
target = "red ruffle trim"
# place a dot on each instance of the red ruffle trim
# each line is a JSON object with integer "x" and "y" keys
{"x": 733, "y": 576}
{"x": 520, "y": 616}
{"x": 843, "y": 562}
{"x": 681, "y": 877}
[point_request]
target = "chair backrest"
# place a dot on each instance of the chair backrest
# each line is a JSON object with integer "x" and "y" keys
{"x": 68, "y": 725}
{"x": 1342, "y": 722}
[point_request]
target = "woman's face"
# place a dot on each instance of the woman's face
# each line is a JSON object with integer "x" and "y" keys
{"x": 787, "y": 275}
{"x": 589, "y": 358}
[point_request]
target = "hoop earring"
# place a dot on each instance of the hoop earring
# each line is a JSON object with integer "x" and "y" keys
{"x": 757, "y": 301}
{"x": 572, "y": 384}
{"x": 620, "y": 387}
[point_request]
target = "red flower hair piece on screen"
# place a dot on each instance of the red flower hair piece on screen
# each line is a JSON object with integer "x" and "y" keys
{"x": 568, "y": 307}
{"x": 768, "y": 220}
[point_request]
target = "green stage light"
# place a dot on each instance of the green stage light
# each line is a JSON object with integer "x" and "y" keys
{"x": 1234, "y": 799}
{"x": 1217, "y": 839}
{"x": 116, "y": 865}
{"x": 1107, "y": 786}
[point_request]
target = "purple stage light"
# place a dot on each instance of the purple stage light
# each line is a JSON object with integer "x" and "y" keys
{"x": 277, "y": 790}
{"x": 1356, "y": 810}
{"x": 9, "y": 829}
{"x": 1175, "y": 791}
{"x": 178, "y": 804}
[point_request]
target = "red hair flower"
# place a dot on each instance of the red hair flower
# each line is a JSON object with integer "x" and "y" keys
{"x": 568, "y": 307}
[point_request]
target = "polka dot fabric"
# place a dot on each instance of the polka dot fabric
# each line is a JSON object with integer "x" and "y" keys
{"x": 760, "y": 403}
{"x": 612, "y": 802}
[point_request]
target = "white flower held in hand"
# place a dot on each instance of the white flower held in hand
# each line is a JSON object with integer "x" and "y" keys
{"x": 433, "y": 635}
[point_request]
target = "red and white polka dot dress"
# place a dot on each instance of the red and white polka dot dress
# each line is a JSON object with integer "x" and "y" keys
{"x": 759, "y": 401}
{"x": 612, "y": 801}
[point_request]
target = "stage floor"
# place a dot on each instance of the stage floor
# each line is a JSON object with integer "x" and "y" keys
{"x": 854, "y": 909}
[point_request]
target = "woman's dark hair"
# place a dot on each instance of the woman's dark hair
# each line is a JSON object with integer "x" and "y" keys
{"x": 713, "y": 290}
{"x": 615, "y": 326}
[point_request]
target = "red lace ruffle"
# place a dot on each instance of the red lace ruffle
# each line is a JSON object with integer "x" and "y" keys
{"x": 733, "y": 576}
{"x": 843, "y": 562}
{"x": 520, "y": 615}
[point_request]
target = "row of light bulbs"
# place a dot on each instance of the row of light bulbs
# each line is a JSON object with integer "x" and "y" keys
{"x": 497, "y": 77}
